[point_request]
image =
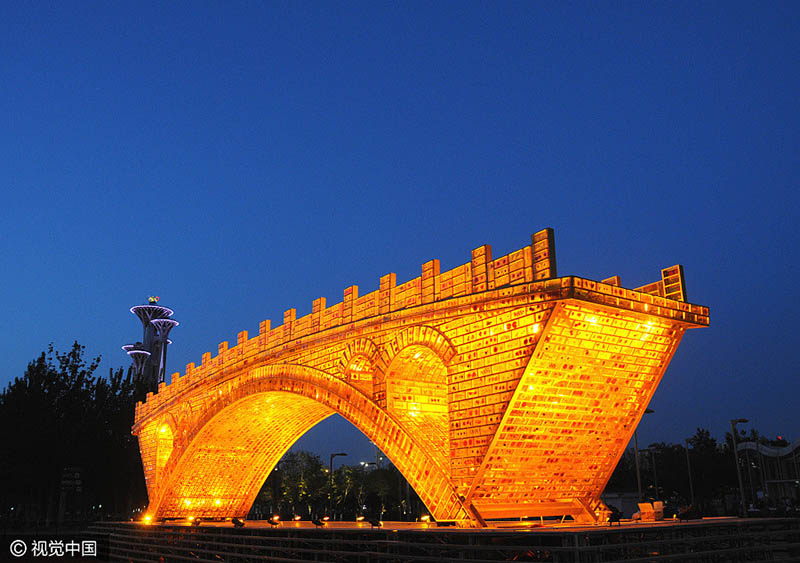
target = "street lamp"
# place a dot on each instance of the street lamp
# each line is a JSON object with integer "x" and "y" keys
{"x": 689, "y": 469}
{"x": 636, "y": 449}
{"x": 734, "y": 422}
{"x": 330, "y": 478}
{"x": 378, "y": 457}
{"x": 655, "y": 473}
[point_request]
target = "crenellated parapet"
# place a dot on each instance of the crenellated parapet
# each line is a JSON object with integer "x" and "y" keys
{"x": 514, "y": 274}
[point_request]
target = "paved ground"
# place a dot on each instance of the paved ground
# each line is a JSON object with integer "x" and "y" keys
{"x": 495, "y": 526}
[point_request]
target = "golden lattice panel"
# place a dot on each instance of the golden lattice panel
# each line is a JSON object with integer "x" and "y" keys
{"x": 496, "y": 388}
{"x": 575, "y": 408}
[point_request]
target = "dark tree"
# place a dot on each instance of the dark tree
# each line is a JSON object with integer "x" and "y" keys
{"x": 60, "y": 420}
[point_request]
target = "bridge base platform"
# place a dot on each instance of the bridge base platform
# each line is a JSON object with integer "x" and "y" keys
{"x": 706, "y": 541}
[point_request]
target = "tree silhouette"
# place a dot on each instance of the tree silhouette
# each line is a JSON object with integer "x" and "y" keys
{"x": 60, "y": 416}
{"x": 713, "y": 473}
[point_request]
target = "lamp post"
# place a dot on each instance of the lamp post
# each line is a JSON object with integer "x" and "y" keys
{"x": 796, "y": 468}
{"x": 689, "y": 470}
{"x": 734, "y": 422}
{"x": 636, "y": 457}
{"x": 378, "y": 457}
{"x": 655, "y": 473}
{"x": 330, "y": 479}
{"x": 750, "y": 475}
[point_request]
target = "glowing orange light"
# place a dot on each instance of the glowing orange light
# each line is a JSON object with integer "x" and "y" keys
{"x": 298, "y": 517}
{"x": 498, "y": 389}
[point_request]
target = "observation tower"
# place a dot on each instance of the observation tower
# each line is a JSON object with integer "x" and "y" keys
{"x": 150, "y": 354}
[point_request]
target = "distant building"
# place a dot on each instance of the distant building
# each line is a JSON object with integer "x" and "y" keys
{"x": 772, "y": 473}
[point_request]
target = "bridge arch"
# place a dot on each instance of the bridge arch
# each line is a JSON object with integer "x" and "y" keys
{"x": 362, "y": 364}
{"x": 234, "y": 444}
{"x": 416, "y": 395}
{"x": 414, "y": 386}
{"x": 423, "y": 335}
{"x": 165, "y": 431}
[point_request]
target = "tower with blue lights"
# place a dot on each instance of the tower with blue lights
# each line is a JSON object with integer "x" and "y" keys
{"x": 150, "y": 354}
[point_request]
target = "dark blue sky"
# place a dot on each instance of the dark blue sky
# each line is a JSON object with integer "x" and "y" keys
{"x": 241, "y": 160}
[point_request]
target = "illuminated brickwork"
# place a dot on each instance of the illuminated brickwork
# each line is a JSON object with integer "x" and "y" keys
{"x": 496, "y": 388}
{"x": 574, "y": 409}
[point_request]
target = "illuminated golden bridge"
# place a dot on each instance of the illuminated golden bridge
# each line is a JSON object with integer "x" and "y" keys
{"x": 497, "y": 388}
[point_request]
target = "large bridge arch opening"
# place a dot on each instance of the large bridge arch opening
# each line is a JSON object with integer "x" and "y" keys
{"x": 232, "y": 455}
{"x": 242, "y": 437}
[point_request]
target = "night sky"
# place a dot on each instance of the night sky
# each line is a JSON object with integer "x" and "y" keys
{"x": 240, "y": 160}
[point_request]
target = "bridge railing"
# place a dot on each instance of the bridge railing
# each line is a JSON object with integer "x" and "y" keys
{"x": 519, "y": 270}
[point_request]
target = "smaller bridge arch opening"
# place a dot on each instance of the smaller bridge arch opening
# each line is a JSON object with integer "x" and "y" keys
{"x": 358, "y": 371}
{"x": 416, "y": 394}
{"x": 361, "y": 364}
